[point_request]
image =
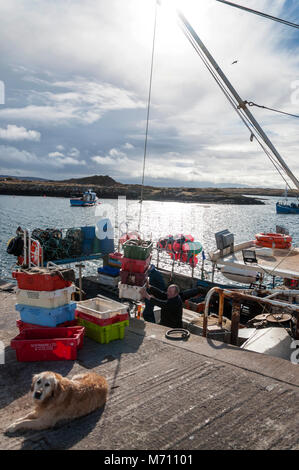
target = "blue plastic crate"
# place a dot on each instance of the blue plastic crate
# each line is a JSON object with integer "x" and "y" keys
{"x": 114, "y": 272}
{"x": 47, "y": 316}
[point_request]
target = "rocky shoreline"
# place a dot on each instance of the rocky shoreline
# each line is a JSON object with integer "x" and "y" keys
{"x": 132, "y": 192}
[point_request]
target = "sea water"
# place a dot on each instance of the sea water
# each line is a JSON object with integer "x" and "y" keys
{"x": 158, "y": 219}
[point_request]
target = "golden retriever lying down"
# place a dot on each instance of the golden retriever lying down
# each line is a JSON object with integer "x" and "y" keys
{"x": 57, "y": 398}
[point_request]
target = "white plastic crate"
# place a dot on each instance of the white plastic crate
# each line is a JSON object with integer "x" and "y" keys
{"x": 45, "y": 299}
{"x": 101, "y": 308}
{"x": 108, "y": 280}
{"x": 129, "y": 292}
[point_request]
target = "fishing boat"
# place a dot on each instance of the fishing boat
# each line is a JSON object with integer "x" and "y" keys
{"x": 284, "y": 208}
{"x": 88, "y": 199}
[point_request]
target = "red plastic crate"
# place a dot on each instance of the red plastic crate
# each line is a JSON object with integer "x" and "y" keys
{"x": 39, "y": 282}
{"x": 133, "y": 279}
{"x": 135, "y": 265}
{"x": 28, "y": 326}
{"x": 102, "y": 322}
{"x": 48, "y": 344}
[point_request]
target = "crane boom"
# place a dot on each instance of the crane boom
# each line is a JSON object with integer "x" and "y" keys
{"x": 185, "y": 25}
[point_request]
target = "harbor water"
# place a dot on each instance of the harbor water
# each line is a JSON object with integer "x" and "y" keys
{"x": 159, "y": 219}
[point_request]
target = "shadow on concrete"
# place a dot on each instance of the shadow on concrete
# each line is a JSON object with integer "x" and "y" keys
{"x": 15, "y": 377}
{"x": 94, "y": 354}
{"x": 64, "y": 435}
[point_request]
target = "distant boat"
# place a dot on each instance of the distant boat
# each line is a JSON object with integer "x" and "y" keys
{"x": 284, "y": 207}
{"x": 88, "y": 199}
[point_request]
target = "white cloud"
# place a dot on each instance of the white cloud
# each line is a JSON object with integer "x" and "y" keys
{"x": 13, "y": 132}
{"x": 55, "y": 154}
{"x": 128, "y": 146}
{"x": 86, "y": 103}
{"x": 96, "y": 67}
{"x": 74, "y": 152}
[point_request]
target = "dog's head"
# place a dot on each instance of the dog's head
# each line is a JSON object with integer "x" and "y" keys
{"x": 45, "y": 385}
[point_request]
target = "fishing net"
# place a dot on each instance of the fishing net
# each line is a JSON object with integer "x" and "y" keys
{"x": 56, "y": 246}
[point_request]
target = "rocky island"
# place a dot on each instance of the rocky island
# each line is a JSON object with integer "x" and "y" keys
{"x": 107, "y": 188}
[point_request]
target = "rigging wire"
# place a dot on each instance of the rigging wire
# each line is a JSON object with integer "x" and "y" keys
{"x": 235, "y": 106}
{"x": 147, "y": 116}
{"x": 256, "y": 12}
{"x": 250, "y": 103}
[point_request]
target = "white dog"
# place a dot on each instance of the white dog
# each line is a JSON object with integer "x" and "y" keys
{"x": 57, "y": 398}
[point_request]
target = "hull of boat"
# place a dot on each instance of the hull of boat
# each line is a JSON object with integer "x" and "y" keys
{"x": 284, "y": 209}
{"x": 80, "y": 203}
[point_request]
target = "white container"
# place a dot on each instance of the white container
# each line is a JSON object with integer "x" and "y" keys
{"x": 108, "y": 280}
{"x": 101, "y": 308}
{"x": 241, "y": 275}
{"x": 129, "y": 292}
{"x": 45, "y": 299}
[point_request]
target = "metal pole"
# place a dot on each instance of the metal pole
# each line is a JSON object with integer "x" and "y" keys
{"x": 220, "y": 309}
{"x": 80, "y": 266}
{"x": 241, "y": 102}
{"x": 235, "y": 323}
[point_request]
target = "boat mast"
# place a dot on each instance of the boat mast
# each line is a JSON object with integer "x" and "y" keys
{"x": 242, "y": 105}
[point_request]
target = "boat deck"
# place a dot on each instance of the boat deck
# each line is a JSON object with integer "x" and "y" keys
{"x": 283, "y": 263}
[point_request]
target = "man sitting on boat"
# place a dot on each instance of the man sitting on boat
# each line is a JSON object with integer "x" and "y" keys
{"x": 171, "y": 303}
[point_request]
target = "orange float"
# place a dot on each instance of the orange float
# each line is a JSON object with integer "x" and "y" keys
{"x": 273, "y": 240}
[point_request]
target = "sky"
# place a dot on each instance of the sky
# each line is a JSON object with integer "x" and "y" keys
{"x": 74, "y": 81}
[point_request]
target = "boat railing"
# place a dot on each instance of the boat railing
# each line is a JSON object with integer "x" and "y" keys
{"x": 237, "y": 298}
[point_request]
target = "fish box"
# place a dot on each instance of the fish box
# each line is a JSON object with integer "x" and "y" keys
{"x": 40, "y": 282}
{"x": 133, "y": 279}
{"x": 48, "y": 344}
{"x": 101, "y": 308}
{"x": 130, "y": 292}
{"x": 45, "y": 299}
{"x": 102, "y": 321}
{"x": 136, "y": 249}
{"x": 47, "y": 316}
{"x": 28, "y": 326}
{"x": 107, "y": 280}
{"x": 104, "y": 334}
{"x": 135, "y": 265}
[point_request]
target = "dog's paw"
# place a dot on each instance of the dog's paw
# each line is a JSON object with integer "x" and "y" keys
{"x": 11, "y": 429}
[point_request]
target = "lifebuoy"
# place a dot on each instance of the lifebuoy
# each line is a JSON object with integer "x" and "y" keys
{"x": 273, "y": 240}
{"x": 35, "y": 254}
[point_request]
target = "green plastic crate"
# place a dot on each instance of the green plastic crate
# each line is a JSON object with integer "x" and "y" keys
{"x": 104, "y": 334}
{"x": 134, "y": 251}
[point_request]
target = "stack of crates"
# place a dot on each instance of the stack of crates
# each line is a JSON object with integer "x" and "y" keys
{"x": 108, "y": 275}
{"x": 104, "y": 320}
{"x": 44, "y": 304}
{"x": 135, "y": 267}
